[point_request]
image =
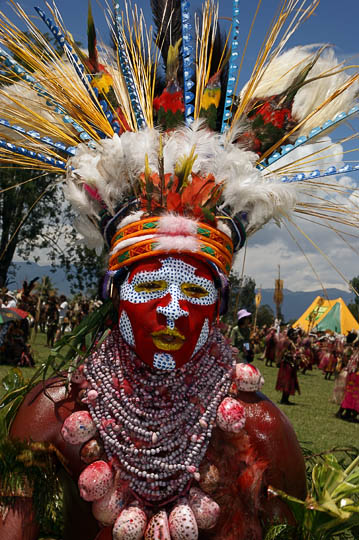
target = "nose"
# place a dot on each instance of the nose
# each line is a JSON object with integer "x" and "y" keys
{"x": 172, "y": 310}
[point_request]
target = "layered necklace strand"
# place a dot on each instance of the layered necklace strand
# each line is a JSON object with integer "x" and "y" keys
{"x": 156, "y": 425}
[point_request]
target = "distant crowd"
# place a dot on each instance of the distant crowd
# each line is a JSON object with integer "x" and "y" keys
{"x": 292, "y": 350}
{"x": 51, "y": 314}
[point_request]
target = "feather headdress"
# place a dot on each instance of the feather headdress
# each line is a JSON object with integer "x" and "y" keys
{"x": 186, "y": 163}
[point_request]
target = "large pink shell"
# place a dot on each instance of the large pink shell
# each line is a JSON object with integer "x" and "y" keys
{"x": 78, "y": 427}
{"x": 158, "y": 528}
{"x": 130, "y": 525}
{"x": 107, "y": 509}
{"x": 231, "y": 415}
{"x": 183, "y": 525}
{"x": 205, "y": 510}
{"x": 95, "y": 481}
{"x": 248, "y": 378}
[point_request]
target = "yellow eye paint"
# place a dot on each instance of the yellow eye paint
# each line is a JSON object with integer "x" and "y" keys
{"x": 151, "y": 286}
{"x": 193, "y": 290}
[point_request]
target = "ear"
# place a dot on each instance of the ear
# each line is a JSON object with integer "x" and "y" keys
{"x": 115, "y": 297}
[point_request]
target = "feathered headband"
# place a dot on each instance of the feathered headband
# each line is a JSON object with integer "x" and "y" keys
{"x": 187, "y": 163}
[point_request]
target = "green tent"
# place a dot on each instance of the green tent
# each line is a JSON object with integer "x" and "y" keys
{"x": 332, "y": 320}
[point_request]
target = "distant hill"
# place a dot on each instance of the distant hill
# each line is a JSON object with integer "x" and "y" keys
{"x": 294, "y": 303}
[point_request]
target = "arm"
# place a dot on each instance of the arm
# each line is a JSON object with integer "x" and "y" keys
{"x": 18, "y": 522}
{"x": 39, "y": 418}
{"x": 266, "y": 452}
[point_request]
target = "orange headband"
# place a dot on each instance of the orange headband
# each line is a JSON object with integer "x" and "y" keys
{"x": 213, "y": 244}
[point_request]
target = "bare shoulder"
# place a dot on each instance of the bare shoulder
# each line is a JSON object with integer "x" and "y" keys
{"x": 43, "y": 411}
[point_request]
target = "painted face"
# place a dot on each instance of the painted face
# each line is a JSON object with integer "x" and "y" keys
{"x": 166, "y": 310}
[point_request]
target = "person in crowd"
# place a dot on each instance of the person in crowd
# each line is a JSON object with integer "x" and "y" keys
{"x": 349, "y": 407}
{"x": 270, "y": 346}
{"x": 9, "y": 300}
{"x": 328, "y": 357}
{"x": 63, "y": 316}
{"x": 287, "y": 380}
{"x": 341, "y": 371}
{"x": 240, "y": 336}
{"x": 52, "y": 321}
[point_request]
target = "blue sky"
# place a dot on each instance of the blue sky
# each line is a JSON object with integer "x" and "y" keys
{"x": 333, "y": 22}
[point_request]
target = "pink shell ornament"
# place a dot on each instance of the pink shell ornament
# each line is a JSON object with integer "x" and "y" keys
{"x": 231, "y": 415}
{"x": 95, "y": 481}
{"x": 248, "y": 378}
{"x": 183, "y": 525}
{"x": 205, "y": 510}
{"x": 158, "y": 528}
{"x": 130, "y": 525}
{"x": 107, "y": 509}
{"x": 78, "y": 428}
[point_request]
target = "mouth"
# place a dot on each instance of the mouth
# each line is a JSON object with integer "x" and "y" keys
{"x": 168, "y": 340}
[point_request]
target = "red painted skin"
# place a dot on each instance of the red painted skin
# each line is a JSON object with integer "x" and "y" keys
{"x": 267, "y": 454}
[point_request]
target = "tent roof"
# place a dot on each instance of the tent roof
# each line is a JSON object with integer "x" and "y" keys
{"x": 325, "y": 314}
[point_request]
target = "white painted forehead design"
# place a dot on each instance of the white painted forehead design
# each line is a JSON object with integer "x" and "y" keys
{"x": 174, "y": 273}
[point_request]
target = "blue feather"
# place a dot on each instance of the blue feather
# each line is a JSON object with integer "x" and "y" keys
{"x": 55, "y": 107}
{"x": 187, "y": 53}
{"x": 329, "y": 124}
{"x": 233, "y": 67}
{"x": 36, "y": 156}
{"x": 127, "y": 71}
{"x": 57, "y": 145}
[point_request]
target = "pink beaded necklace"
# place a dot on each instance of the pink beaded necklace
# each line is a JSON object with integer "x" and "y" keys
{"x": 156, "y": 425}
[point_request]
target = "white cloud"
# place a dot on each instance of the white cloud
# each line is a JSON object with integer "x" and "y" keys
{"x": 273, "y": 246}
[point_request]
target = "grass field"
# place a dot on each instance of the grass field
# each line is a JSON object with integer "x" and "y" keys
{"x": 312, "y": 415}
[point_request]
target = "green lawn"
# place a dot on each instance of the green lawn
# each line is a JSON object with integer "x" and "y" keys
{"x": 40, "y": 354}
{"x": 312, "y": 415}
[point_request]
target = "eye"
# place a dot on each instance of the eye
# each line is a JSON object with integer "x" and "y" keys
{"x": 151, "y": 286}
{"x": 194, "y": 291}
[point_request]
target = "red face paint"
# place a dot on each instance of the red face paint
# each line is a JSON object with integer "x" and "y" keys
{"x": 167, "y": 308}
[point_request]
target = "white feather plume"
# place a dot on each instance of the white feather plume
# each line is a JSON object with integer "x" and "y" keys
{"x": 90, "y": 234}
{"x": 281, "y": 72}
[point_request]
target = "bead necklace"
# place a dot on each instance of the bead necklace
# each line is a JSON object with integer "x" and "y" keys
{"x": 156, "y": 425}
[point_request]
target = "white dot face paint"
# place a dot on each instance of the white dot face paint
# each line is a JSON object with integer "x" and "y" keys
{"x": 163, "y": 361}
{"x": 169, "y": 305}
{"x": 126, "y": 329}
{"x": 202, "y": 340}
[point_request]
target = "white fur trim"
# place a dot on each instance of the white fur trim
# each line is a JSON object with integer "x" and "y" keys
{"x": 171, "y": 224}
{"x": 177, "y": 243}
{"x": 131, "y": 218}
